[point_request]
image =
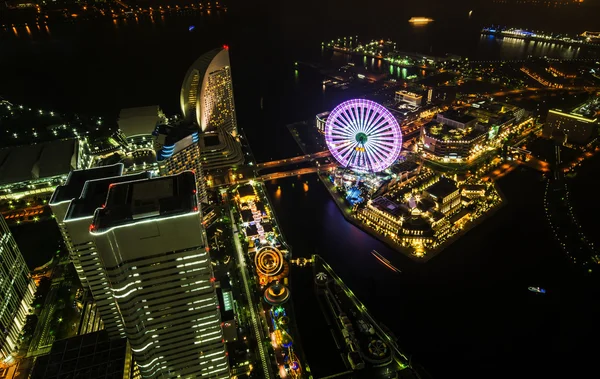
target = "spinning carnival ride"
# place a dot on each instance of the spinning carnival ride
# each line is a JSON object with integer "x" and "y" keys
{"x": 363, "y": 135}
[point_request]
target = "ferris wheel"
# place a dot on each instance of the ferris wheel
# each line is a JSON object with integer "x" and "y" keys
{"x": 362, "y": 135}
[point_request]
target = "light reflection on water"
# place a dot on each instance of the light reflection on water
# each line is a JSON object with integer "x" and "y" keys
{"x": 510, "y": 48}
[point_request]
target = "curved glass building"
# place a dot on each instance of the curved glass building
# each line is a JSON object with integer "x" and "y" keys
{"x": 207, "y": 93}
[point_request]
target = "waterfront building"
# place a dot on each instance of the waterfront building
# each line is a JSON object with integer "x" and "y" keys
{"x": 206, "y": 140}
{"x": 207, "y": 93}
{"x": 574, "y": 127}
{"x": 38, "y": 168}
{"x": 321, "y": 120}
{"x": 17, "y": 291}
{"x": 92, "y": 355}
{"x": 472, "y": 191}
{"x": 408, "y": 97}
{"x": 445, "y": 195}
{"x": 417, "y": 219}
{"x": 73, "y": 205}
{"x": 153, "y": 247}
{"x": 384, "y": 214}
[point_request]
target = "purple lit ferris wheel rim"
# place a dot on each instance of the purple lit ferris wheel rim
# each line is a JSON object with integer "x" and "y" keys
{"x": 363, "y": 135}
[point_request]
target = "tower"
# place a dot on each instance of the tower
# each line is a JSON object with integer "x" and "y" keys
{"x": 150, "y": 239}
{"x": 17, "y": 291}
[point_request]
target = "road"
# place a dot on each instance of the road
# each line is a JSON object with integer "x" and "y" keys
{"x": 536, "y": 89}
{"x": 256, "y": 324}
{"x": 298, "y": 159}
{"x": 300, "y": 171}
{"x": 282, "y": 174}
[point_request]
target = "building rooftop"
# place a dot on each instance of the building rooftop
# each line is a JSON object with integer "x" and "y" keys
{"x": 246, "y": 215}
{"x": 138, "y": 121}
{"x": 155, "y": 198}
{"x": 442, "y": 188}
{"x": 386, "y": 205}
{"x": 176, "y": 132}
{"x": 246, "y": 190}
{"x": 90, "y": 356}
{"x": 447, "y": 133}
{"x": 457, "y": 116}
{"x": 37, "y": 161}
{"x": 77, "y": 179}
{"x": 94, "y": 194}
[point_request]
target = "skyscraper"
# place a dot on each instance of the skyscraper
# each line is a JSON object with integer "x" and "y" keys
{"x": 17, "y": 290}
{"x": 207, "y": 93}
{"x": 73, "y": 205}
{"x": 61, "y": 200}
{"x": 150, "y": 239}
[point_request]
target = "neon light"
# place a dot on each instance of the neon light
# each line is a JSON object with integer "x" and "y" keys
{"x": 143, "y": 348}
{"x": 363, "y": 135}
{"x": 195, "y": 213}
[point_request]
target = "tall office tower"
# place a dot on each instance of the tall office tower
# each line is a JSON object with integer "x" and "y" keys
{"x": 180, "y": 154}
{"x": 17, "y": 291}
{"x": 73, "y": 205}
{"x": 153, "y": 247}
{"x": 207, "y": 93}
{"x": 61, "y": 200}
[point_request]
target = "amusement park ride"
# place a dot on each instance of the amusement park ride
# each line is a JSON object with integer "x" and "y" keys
{"x": 273, "y": 269}
{"x": 365, "y": 139}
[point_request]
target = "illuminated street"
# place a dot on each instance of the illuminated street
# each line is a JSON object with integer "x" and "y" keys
{"x": 256, "y": 320}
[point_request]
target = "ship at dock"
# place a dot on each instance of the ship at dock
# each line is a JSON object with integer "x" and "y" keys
{"x": 363, "y": 343}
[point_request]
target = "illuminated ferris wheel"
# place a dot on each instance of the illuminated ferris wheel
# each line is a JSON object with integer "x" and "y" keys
{"x": 362, "y": 135}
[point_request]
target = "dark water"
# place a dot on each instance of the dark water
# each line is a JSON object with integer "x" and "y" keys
{"x": 467, "y": 313}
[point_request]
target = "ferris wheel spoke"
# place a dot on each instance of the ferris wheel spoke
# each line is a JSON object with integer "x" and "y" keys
{"x": 347, "y": 149}
{"x": 361, "y": 116}
{"x": 378, "y": 123}
{"x": 372, "y": 117}
{"x": 385, "y": 151}
{"x": 375, "y": 151}
{"x": 383, "y": 139}
{"x": 382, "y": 129}
{"x": 347, "y": 121}
{"x": 342, "y": 130}
{"x": 354, "y": 120}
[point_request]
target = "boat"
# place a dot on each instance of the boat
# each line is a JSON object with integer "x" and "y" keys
{"x": 420, "y": 20}
{"x": 387, "y": 263}
{"x": 537, "y": 289}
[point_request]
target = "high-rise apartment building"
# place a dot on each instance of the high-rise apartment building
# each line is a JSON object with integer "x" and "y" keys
{"x": 17, "y": 291}
{"x": 152, "y": 244}
{"x": 74, "y": 204}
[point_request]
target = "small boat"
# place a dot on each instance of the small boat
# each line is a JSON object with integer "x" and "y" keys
{"x": 420, "y": 20}
{"x": 387, "y": 263}
{"x": 537, "y": 289}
